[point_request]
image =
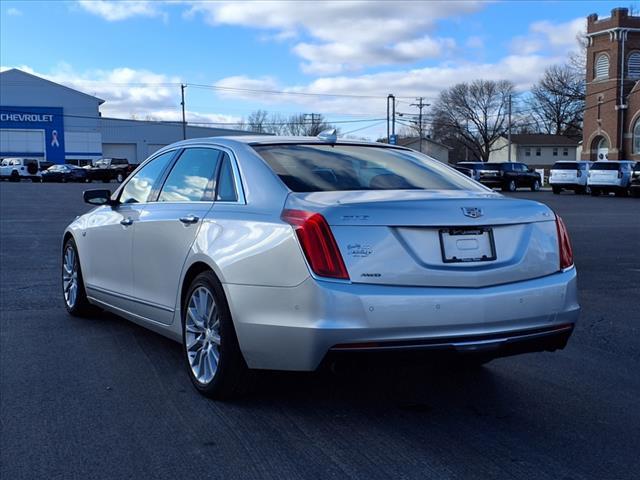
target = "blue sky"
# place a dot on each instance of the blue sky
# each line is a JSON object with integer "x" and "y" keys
{"x": 131, "y": 53}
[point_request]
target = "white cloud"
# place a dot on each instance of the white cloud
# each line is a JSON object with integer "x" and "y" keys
{"x": 550, "y": 38}
{"x": 128, "y": 93}
{"x": 339, "y": 36}
{"x": 14, "y": 12}
{"x": 427, "y": 82}
{"x": 120, "y": 10}
{"x": 475, "y": 41}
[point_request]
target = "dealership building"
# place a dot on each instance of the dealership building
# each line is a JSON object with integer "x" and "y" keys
{"x": 46, "y": 120}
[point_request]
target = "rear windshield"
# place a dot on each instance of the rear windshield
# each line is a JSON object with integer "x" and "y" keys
{"x": 323, "y": 168}
{"x": 472, "y": 165}
{"x": 566, "y": 166}
{"x": 492, "y": 166}
{"x": 605, "y": 166}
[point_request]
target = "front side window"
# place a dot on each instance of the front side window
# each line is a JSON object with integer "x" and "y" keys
{"x": 139, "y": 187}
{"x": 636, "y": 137}
{"x": 192, "y": 177}
{"x": 339, "y": 167}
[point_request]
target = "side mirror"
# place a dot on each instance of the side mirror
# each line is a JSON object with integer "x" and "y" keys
{"x": 98, "y": 197}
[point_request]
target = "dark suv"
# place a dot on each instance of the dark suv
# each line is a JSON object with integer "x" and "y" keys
{"x": 507, "y": 176}
{"x": 634, "y": 186}
{"x": 107, "y": 169}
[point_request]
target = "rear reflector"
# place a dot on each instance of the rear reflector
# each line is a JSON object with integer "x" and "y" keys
{"x": 566, "y": 252}
{"x": 317, "y": 242}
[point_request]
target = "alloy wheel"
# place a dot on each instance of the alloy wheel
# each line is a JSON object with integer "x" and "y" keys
{"x": 202, "y": 335}
{"x": 70, "y": 277}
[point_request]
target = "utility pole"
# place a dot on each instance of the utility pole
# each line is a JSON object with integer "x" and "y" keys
{"x": 391, "y": 115}
{"x": 184, "y": 119}
{"x": 315, "y": 120}
{"x": 420, "y": 106}
{"x": 509, "y": 132}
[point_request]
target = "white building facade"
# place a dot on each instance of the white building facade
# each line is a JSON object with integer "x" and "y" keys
{"x": 535, "y": 149}
{"x": 46, "y": 120}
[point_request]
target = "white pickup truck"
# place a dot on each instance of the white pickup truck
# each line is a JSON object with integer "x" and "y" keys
{"x": 16, "y": 169}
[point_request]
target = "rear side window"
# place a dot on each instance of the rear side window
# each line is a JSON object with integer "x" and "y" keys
{"x": 226, "y": 191}
{"x": 139, "y": 187}
{"x": 192, "y": 177}
{"x": 567, "y": 166}
{"x": 605, "y": 166}
{"x": 322, "y": 168}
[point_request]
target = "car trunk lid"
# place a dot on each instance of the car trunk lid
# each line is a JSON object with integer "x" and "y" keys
{"x": 444, "y": 238}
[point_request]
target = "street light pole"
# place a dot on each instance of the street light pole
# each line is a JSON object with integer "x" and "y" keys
{"x": 184, "y": 119}
{"x": 509, "y": 132}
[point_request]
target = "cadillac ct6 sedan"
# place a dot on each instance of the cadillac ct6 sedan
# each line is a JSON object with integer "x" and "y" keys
{"x": 277, "y": 252}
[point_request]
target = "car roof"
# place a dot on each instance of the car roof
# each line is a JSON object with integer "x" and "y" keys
{"x": 252, "y": 140}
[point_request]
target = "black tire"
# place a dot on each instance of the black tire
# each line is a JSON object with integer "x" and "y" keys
{"x": 622, "y": 192}
{"x": 536, "y": 186}
{"x": 15, "y": 176}
{"x": 595, "y": 192}
{"x": 510, "y": 186}
{"x": 63, "y": 179}
{"x": 81, "y": 307}
{"x": 635, "y": 192}
{"x": 556, "y": 190}
{"x": 231, "y": 376}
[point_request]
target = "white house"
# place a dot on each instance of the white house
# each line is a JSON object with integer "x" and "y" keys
{"x": 537, "y": 149}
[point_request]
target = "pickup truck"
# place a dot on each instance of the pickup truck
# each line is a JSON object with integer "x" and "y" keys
{"x": 507, "y": 176}
{"x": 107, "y": 169}
{"x": 16, "y": 169}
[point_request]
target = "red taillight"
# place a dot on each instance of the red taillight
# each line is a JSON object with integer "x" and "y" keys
{"x": 317, "y": 243}
{"x": 566, "y": 252}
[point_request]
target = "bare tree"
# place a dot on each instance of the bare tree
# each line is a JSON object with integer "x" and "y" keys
{"x": 257, "y": 120}
{"x": 297, "y": 124}
{"x": 475, "y": 113}
{"x": 557, "y": 101}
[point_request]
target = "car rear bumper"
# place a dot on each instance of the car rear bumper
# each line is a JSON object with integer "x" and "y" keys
{"x": 294, "y": 328}
{"x": 603, "y": 184}
{"x": 566, "y": 183}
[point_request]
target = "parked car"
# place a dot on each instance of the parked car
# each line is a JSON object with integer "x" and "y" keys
{"x": 634, "y": 186}
{"x": 469, "y": 172}
{"x": 570, "y": 175}
{"x": 276, "y": 252}
{"x": 65, "y": 173}
{"x": 610, "y": 176}
{"x": 16, "y": 169}
{"x": 509, "y": 176}
{"x": 108, "y": 169}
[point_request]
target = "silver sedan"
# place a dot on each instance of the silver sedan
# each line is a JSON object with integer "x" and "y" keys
{"x": 274, "y": 253}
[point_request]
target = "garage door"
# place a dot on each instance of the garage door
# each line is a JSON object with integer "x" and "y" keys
{"x": 21, "y": 143}
{"x": 120, "y": 150}
{"x": 154, "y": 147}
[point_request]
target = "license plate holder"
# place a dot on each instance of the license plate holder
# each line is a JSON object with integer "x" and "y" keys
{"x": 464, "y": 244}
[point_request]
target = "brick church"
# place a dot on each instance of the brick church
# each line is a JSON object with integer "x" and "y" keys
{"x": 612, "y": 110}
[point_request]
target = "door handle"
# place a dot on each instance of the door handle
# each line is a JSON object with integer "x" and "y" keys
{"x": 126, "y": 221}
{"x": 189, "y": 219}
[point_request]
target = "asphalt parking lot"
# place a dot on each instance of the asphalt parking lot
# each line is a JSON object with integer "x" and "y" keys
{"x": 103, "y": 398}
